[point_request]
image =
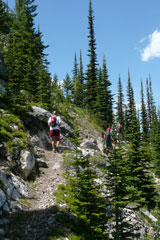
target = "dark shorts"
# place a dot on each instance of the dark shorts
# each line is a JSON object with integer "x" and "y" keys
{"x": 54, "y": 133}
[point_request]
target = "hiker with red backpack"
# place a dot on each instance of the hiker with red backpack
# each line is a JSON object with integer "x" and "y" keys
{"x": 54, "y": 123}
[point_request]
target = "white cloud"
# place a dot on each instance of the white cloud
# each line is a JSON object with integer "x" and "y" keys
{"x": 153, "y": 48}
{"x": 142, "y": 40}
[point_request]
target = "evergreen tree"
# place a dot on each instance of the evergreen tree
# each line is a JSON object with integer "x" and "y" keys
{"x": 56, "y": 92}
{"x": 75, "y": 68}
{"x": 104, "y": 100}
{"x": 121, "y": 193}
{"x": 108, "y": 97}
{"x": 44, "y": 87}
{"x": 82, "y": 83}
{"x": 144, "y": 122}
{"x": 87, "y": 201}
{"x": 77, "y": 90}
{"x": 120, "y": 103}
{"x": 5, "y": 23}
{"x": 150, "y": 101}
{"x": 67, "y": 87}
{"x": 130, "y": 108}
{"x": 99, "y": 100}
{"x": 24, "y": 53}
{"x": 155, "y": 144}
{"x": 140, "y": 166}
{"x": 78, "y": 87}
{"x": 91, "y": 75}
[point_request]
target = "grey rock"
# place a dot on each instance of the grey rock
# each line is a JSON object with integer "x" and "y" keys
{"x": 2, "y": 198}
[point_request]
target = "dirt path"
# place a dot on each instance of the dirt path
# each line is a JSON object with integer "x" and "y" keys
{"x": 37, "y": 221}
{"x": 50, "y": 178}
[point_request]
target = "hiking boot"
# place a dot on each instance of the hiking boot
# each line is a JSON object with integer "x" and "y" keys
{"x": 54, "y": 150}
{"x": 57, "y": 149}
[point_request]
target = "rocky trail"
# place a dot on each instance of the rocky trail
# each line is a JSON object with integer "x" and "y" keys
{"x": 36, "y": 221}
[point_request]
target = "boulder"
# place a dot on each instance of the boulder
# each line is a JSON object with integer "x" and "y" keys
{"x": 27, "y": 163}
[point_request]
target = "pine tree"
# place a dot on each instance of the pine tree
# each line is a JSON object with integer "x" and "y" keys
{"x": 87, "y": 201}
{"x": 144, "y": 122}
{"x": 5, "y": 19}
{"x": 108, "y": 97}
{"x": 150, "y": 101}
{"x": 25, "y": 54}
{"x": 81, "y": 80}
{"x": 91, "y": 75}
{"x": 104, "y": 100}
{"x": 78, "y": 87}
{"x": 56, "y": 92}
{"x": 67, "y": 88}
{"x": 120, "y": 103}
{"x": 155, "y": 144}
{"x": 75, "y": 68}
{"x": 140, "y": 166}
{"x": 130, "y": 108}
{"x": 121, "y": 193}
{"x": 44, "y": 87}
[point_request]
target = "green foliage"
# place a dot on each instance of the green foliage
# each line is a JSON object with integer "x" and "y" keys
{"x": 83, "y": 195}
{"x": 12, "y": 132}
{"x": 91, "y": 75}
{"x": 120, "y": 103}
{"x": 144, "y": 122}
{"x": 28, "y": 76}
{"x": 121, "y": 192}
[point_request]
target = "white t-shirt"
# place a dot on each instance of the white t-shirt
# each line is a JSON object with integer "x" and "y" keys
{"x": 58, "y": 123}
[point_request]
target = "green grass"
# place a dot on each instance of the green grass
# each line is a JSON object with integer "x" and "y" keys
{"x": 9, "y": 134}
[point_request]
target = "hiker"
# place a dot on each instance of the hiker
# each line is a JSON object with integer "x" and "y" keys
{"x": 119, "y": 131}
{"x": 54, "y": 123}
{"x": 108, "y": 140}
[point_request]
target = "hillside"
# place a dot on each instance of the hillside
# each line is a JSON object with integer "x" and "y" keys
{"x": 30, "y": 175}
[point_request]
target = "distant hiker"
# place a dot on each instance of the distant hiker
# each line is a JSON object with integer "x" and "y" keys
{"x": 108, "y": 140}
{"x": 119, "y": 131}
{"x": 54, "y": 123}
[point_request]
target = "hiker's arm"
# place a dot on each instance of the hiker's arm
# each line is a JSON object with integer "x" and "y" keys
{"x": 49, "y": 123}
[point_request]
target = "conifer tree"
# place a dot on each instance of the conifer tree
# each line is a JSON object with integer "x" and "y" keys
{"x": 81, "y": 80}
{"x": 140, "y": 166}
{"x": 91, "y": 75}
{"x": 25, "y": 53}
{"x": 67, "y": 87}
{"x": 5, "y": 19}
{"x": 155, "y": 144}
{"x": 130, "y": 108}
{"x": 120, "y": 103}
{"x": 150, "y": 101}
{"x": 87, "y": 201}
{"x": 104, "y": 100}
{"x": 144, "y": 122}
{"x": 108, "y": 97}
{"x": 100, "y": 97}
{"x": 78, "y": 87}
{"x": 121, "y": 192}
{"x": 44, "y": 87}
{"x": 56, "y": 92}
{"x": 75, "y": 68}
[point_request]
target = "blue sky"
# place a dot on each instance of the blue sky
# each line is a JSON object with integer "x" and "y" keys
{"x": 127, "y": 32}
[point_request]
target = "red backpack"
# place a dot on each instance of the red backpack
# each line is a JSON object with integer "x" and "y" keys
{"x": 53, "y": 121}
